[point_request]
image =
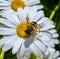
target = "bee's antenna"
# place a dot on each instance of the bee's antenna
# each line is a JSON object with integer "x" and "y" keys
{"x": 27, "y": 19}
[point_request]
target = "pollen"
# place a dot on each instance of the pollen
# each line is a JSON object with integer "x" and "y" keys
{"x": 21, "y": 29}
{"x": 15, "y": 4}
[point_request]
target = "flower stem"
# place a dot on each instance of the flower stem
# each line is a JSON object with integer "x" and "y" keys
{"x": 54, "y": 11}
{"x": 2, "y": 54}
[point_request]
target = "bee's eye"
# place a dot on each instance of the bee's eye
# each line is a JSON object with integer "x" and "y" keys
{"x": 33, "y": 24}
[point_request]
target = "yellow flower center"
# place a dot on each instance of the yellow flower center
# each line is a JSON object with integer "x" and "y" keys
{"x": 15, "y": 4}
{"x": 25, "y": 30}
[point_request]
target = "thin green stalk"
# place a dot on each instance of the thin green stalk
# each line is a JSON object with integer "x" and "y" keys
{"x": 54, "y": 11}
{"x": 2, "y": 55}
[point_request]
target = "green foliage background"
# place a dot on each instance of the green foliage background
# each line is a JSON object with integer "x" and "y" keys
{"x": 51, "y": 10}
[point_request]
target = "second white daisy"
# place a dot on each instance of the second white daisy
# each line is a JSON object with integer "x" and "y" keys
{"x": 12, "y": 5}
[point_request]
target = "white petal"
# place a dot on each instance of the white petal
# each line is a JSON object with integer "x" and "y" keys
{"x": 55, "y": 35}
{"x": 47, "y": 22}
{"x": 32, "y": 2}
{"x": 9, "y": 44}
{"x": 7, "y": 31}
{"x": 51, "y": 50}
{"x": 55, "y": 41}
{"x": 34, "y": 12}
{"x": 47, "y": 53}
{"x": 27, "y": 52}
{"x": 47, "y": 27}
{"x": 7, "y": 11}
{"x": 4, "y": 40}
{"x": 52, "y": 31}
{"x": 58, "y": 58}
{"x": 27, "y": 9}
{"x": 22, "y": 15}
{"x": 43, "y": 38}
{"x": 13, "y": 19}
{"x": 17, "y": 45}
{"x": 4, "y": 1}
{"x": 44, "y": 33}
{"x": 51, "y": 44}
{"x": 56, "y": 54}
{"x": 22, "y": 49}
{"x": 4, "y": 5}
{"x": 34, "y": 49}
{"x": 7, "y": 23}
{"x": 2, "y": 11}
{"x": 39, "y": 6}
{"x": 44, "y": 19}
{"x": 39, "y": 15}
{"x": 40, "y": 45}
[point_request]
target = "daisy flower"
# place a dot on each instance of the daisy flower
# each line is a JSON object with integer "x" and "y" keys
{"x": 13, "y": 5}
{"x": 53, "y": 54}
{"x": 28, "y": 30}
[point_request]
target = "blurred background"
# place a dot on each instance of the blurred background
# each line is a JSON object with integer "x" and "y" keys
{"x": 52, "y": 11}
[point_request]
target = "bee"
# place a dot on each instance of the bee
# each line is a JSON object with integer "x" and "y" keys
{"x": 31, "y": 28}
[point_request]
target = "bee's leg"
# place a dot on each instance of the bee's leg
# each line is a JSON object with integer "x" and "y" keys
{"x": 39, "y": 27}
